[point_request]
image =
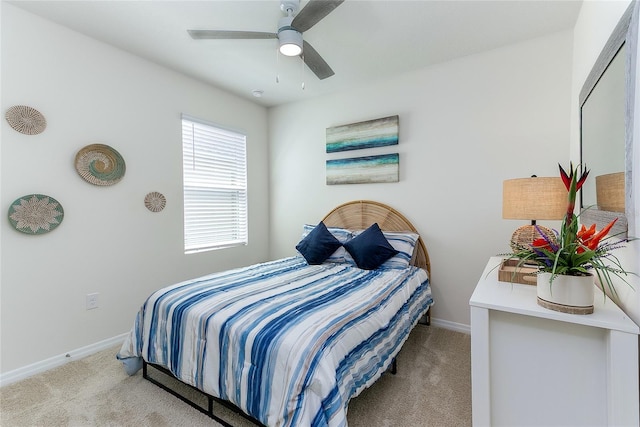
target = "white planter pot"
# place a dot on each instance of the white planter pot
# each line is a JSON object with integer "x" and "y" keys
{"x": 569, "y": 294}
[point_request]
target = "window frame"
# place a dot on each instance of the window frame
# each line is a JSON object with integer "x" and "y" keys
{"x": 214, "y": 164}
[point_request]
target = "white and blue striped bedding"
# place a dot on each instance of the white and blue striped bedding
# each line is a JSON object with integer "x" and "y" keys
{"x": 287, "y": 342}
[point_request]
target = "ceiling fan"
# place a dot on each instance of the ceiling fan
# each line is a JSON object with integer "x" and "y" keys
{"x": 289, "y": 35}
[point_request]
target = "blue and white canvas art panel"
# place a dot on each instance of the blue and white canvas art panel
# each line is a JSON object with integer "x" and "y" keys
{"x": 363, "y": 170}
{"x": 369, "y": 134}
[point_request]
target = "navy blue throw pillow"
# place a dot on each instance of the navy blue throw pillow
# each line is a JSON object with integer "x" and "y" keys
{"x": 318, "y": 245}
{"x": 370, "y": 248}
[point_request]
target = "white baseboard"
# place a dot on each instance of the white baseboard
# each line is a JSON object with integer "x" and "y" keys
{"x": 53, "y": 362}
{"x": 446, "y": 324}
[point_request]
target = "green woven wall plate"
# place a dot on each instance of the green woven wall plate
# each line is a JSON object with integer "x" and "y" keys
{"x": 100, "y": 164}
{"x": 35, "y": 214}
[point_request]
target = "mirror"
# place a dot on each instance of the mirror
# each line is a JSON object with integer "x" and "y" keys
{"x": 606, "y": 140}
{"x": 603, "y": 130}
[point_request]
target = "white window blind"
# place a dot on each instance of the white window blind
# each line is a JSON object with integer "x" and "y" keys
{"x": 215, "y": 186}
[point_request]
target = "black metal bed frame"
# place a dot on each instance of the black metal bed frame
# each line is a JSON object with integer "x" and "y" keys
{"x": 210, "y": 399}
{"x": 393, "y": 369}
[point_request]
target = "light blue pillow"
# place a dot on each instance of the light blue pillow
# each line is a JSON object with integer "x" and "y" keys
{"x": 405, "y": 244}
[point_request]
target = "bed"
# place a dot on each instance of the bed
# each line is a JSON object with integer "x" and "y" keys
{"x": 290, "y": 341}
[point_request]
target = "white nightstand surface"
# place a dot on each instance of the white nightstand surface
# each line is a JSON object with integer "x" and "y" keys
{"x": 522, "y": 299}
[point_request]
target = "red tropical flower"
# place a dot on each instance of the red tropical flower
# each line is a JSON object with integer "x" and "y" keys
{"x": 593, "y": 241}
{"x": 573, "y": 185}
{"x": 567, "y": 179}
{"x": 586, "y": 233}
{"x": 541, "y": 244}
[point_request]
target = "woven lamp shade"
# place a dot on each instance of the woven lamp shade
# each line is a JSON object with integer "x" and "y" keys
{"x": 533, "y": 199}
{"x": 610, "y": 192}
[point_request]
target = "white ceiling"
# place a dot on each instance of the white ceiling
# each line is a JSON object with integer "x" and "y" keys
{"x": 362, "y": 40}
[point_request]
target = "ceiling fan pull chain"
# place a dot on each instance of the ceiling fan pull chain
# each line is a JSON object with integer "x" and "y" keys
{"x": 302, "y": 71}
{"x": 277, "y": 65}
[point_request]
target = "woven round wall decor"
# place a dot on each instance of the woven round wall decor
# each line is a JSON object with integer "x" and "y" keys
{"x": 100, "y": 164}
{"x": 26, "y": 120}
{"x": 35, "y": 214}
{"x": 155, "y": 201}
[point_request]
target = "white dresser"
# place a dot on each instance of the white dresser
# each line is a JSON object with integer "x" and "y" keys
{"x": 536, "y": 367}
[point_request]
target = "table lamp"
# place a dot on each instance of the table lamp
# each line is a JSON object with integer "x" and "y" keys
{"x": 610, "y": 192}
{"x": 533, "y": 199}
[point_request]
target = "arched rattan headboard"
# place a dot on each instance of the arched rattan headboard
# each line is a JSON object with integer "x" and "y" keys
{"x": 360, "y": 214}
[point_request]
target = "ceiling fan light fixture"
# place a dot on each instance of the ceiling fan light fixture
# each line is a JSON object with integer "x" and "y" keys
{"x": 289, "y": 33}
{"x": 290, "y": 42}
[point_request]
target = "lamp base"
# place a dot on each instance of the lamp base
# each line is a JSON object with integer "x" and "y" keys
{"x": 524, "y": 236}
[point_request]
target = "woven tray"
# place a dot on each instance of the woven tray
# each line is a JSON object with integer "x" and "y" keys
{"x": 510, "y": 272}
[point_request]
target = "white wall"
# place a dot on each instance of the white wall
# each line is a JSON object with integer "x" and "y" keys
{"x": 595, "y": 24}
{"x": 465, "y": 126}
{"x": 108, "y": 242}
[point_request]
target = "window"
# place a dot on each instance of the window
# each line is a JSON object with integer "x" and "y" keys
{"x": 215, "y": 186}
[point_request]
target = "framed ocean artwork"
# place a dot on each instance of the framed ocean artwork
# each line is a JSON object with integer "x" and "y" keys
{"x": 363, "y": 170}
{"x": 369, "y": 134}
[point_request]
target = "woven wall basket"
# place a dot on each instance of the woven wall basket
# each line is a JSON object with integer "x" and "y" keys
{"x": 35, "y": 214}
{"x": 100, "y": 164}
{"x": 26, "y": 120}
{"x": 155, "y": 201}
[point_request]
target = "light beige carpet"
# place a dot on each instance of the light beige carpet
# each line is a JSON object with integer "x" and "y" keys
{"x": 432, "y": 388}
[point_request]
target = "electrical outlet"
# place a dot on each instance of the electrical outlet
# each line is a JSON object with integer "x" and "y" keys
{"x": 92, "y": 301}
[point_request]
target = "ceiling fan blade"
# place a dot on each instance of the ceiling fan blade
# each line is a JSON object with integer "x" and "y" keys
{"x": 315, "y": 62}
{"x": 313, "y": 12}
{"x": 221, "y": 34}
